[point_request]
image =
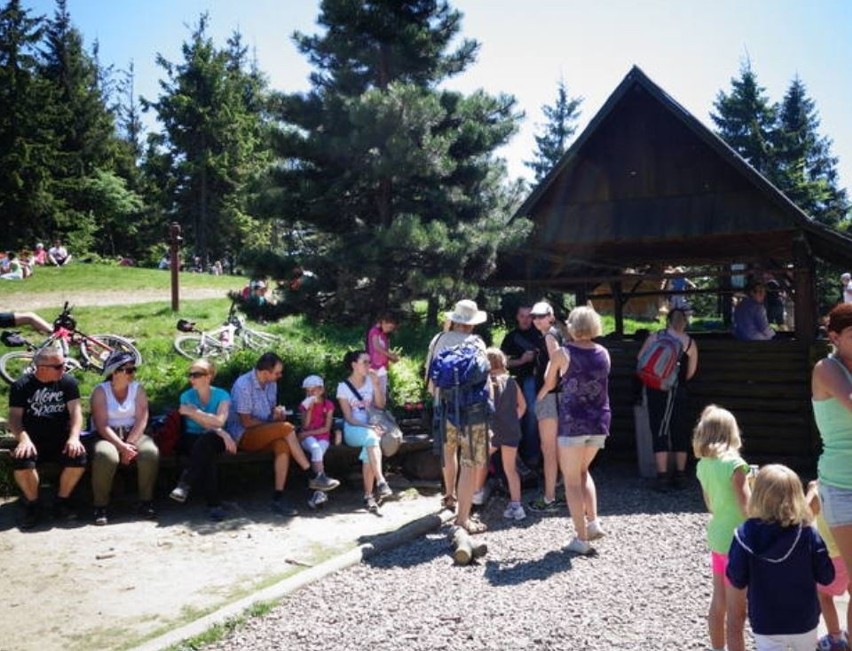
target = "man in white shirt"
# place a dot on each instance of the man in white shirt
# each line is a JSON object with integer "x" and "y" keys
{"x": 58, "y": 254}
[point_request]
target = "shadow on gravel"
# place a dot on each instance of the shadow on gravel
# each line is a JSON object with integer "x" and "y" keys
{"x": 621, "y": 491}
{"x": 420, "y": 551}
{"x": 508, "y": 572}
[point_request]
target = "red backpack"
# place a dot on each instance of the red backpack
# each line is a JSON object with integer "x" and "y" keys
{"x": 658, "y": 366}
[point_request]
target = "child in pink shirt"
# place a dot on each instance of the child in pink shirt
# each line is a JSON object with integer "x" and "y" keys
{"x": 317, "y": 415}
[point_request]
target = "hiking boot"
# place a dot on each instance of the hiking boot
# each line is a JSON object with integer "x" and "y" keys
{"x": 64, "y": 510}
{"x": 323, "y": 483}
{"x": 30, "y": 518}
{"x": 216, "y": 513}
{"x": 514, "y": 511}
{"x": 283, "y": 507}
{"x": 180, "y": 493}
{"x": 581, "y": 547}
{"x": 146, "y": 510}
{"x": 101, "y": 517}
{"x": 383, "y": 491}
{"x": 316, "y": 500}
{"x": 594, "y": 531}
{"x": 541, "y": 505}
{"x": 371, "y": 504}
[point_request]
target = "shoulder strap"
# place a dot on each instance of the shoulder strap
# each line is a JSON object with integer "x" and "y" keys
{"x": 840, "y": 363}
{"x": 353, "y": 390}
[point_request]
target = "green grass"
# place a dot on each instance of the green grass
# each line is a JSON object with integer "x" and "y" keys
{"x": 105, "y": 277}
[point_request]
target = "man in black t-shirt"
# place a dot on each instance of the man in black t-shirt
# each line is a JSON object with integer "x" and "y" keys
{"x": 46, "y": 418}
{"x": 522, "y": 347}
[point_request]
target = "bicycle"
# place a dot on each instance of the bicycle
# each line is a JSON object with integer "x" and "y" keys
{"x": 222, "y": 341}
{"x": 93, "y": 350}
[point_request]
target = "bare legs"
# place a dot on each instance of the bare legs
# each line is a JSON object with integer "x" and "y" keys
{"x": 580, "y": 491}
{"x": 547, "y": 429}
{"x": 509, "y": 457}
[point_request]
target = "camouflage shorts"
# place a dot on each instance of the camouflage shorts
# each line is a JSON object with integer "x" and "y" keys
{"x": 475, "y": 434}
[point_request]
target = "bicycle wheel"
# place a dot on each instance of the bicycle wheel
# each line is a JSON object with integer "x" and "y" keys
{"x": 95, "y": 349}
{"x": 19, "y": 362}
{"x": 256, "y": 340}
{"x": 193, "y": 346}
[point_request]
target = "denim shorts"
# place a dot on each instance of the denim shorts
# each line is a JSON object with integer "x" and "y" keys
{"x": 836, "y": 504}
{"x": 546, "y": 407}
{"x": 591, "y": 441}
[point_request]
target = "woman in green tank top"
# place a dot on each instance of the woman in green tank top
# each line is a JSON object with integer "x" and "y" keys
{"x": 831, "y": 389}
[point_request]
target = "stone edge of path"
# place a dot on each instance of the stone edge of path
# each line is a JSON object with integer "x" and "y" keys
{"x": 409, "y": 531}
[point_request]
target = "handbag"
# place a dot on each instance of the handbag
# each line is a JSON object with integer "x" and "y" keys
{"x": 382, "y": 420}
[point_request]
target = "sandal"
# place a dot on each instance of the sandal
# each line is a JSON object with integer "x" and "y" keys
{"x": 448, "y": 503}
{"x": 474, "y": 527}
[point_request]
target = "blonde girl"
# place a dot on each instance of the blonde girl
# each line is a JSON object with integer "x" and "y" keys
{"x": 722, "y": 473}
{"x": 779, "y": 558}
{"x": 509, "y": 407}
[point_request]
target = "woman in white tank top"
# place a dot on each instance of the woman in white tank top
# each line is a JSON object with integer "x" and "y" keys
{"x": 120, "y": 416}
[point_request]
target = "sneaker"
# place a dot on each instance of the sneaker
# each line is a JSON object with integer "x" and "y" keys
{"x": 594, "y": 531}
{"x": 180, "y": 493}
{"x": 316, "y": 500}
{"x": 101, "y": 517}
{"x": 678, "y": 481}
{"x": 514, "y": 511}
{"x": 661, "y": 484}
{"x": 146, "y": 510}
{"x": 30, "y": 518}
{"x": 481, "y": 496}
{"x": 581, "y": 547}
{"x": 829, "y": 643}
{"x": 323, "y": 483}
{"x": 383, "y": 491}
{"x": 283, "y": 507}
{"x": 64, "y": 510}
{"x": 371, "y": 504}
{"x": 216, "y": 513}
{"x": 541, "y": 505}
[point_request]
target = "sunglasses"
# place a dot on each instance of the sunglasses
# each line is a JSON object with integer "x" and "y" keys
{"x": 55, "y": 367}
{"x": 196, "y": 374}
{"x": 128, "y": 370}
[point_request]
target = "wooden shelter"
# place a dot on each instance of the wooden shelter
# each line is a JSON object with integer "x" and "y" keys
{"x": 647, "y": 186}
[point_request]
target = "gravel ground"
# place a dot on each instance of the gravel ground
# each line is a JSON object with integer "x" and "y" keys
{"x": 648, "y": 586}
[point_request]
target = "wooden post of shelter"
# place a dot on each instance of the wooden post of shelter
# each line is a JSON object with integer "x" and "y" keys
{"x": 175, "y": 240}
{"x": 805, "y": 306}
{"x": 618, "y": 307}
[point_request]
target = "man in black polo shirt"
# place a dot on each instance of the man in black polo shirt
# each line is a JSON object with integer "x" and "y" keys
{"x": 522, "y": 347}
{"x": 46, "y": 418}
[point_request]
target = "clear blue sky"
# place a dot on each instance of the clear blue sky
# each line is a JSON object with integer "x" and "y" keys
{"x": 692, "y": 48}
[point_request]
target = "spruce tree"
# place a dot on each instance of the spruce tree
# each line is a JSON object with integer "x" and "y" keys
{"x": 806, "y": 170}
{"x": 745, "y": 119}
{"x": 396, "y": 173}
{"x": 213, "y": 147}
{"x": 561, "y": 125}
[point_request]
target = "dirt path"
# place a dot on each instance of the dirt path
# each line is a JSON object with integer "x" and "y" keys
{"x": 82, "y": 298}
{"x": 80, "y": 587}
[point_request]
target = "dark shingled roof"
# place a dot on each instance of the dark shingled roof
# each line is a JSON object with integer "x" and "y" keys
{"x": 647, "y": 184}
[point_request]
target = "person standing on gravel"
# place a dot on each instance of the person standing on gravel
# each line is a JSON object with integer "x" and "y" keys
{"x": 582, "y": 368}
{"x": 258, "y": 423}
{"x": 462, "y": 320}
{"x": 45, "y": 418}
{"x": 722, "y": 473}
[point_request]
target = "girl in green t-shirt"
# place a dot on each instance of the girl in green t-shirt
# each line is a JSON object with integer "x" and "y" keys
{"x": 723, "y": 475}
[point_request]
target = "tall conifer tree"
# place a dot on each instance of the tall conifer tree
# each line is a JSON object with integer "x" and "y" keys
{"x": 396, "y": 173}
{"x": 561, "y": 125}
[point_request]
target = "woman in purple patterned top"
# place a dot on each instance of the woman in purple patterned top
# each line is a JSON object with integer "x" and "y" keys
{"x": 582, "y": 369}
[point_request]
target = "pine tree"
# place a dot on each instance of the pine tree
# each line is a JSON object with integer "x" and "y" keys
{"x": 745, "y": 119}
{"x": 561, "y": 124}
{"x": 397, "y": 175}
